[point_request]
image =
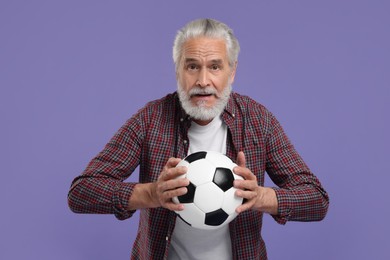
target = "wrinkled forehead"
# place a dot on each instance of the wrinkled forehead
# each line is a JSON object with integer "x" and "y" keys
{"x": 204, "y": 49}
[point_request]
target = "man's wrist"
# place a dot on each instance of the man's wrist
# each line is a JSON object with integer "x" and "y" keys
{"x": 143, "y": 196}
{"x": 267, "y": 201}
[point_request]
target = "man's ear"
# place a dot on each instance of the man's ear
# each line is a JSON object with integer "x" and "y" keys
{"x": 233, "y": 72}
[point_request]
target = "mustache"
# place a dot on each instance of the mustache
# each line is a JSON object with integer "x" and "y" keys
{"x": 203, "y": 91}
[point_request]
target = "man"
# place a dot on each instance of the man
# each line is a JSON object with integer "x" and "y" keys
{"x": 204, "y": 114}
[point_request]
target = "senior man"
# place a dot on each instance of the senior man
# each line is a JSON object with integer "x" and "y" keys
{"x": 203, "y": 114}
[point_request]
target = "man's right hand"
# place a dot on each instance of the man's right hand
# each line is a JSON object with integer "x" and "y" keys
{"x": 168, "y": 187}
{"x": 161, "y": 192}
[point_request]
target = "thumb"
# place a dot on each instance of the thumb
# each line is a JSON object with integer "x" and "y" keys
{"x": 241, "y": 159}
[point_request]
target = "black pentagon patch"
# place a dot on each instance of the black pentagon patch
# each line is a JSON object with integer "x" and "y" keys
{"x": 195, "y": 156}
{"x": 216, "y": 218}
{"x": 223, "y": 178}
{"x": 189, "y": 196}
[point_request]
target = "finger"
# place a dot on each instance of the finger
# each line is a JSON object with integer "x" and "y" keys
{"x": 167, "y": 197}
{"x": 244, "y": 207}
{"x": 241, "y": 159}
{"x": 249, "y": 200}
{"x": 172, "y": 162}
{"x": 170, "y": 170}
{"x": 174, "y": 206}
{"x": 246, "y": 194}
{"x": 244, "y": 172}
{"x": 173, "y": 173}
{"x": 170, "y": 194}
{"x": 170, "y": 185}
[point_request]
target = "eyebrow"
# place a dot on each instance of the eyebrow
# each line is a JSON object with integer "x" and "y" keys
{"x": 190, "y": 60}
{"x": 215, "y": 61}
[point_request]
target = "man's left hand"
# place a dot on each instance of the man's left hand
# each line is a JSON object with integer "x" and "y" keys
{"x": 256, "y": 197}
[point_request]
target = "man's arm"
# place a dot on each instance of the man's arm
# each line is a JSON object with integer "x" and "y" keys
{"x": 299, "y": 195}
{"x": 101, "y": 189}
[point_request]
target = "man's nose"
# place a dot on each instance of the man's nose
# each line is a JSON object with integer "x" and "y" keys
{"x": 203, "y": 78}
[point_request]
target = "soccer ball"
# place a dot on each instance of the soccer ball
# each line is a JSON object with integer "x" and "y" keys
{"x": 210, "y": 201}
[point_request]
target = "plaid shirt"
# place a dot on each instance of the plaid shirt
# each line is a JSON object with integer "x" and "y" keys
{"x": 158, "y": 132}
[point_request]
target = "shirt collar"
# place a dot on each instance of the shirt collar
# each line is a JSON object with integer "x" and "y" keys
{"x": 231, "y": 108}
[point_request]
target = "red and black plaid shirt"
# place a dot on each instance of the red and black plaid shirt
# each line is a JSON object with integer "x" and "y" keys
{"x": 158, "y": 132}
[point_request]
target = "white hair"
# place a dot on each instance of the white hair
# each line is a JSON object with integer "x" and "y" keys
{"x": 206, "y": 28}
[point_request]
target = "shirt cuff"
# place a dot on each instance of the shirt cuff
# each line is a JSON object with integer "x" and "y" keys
{"x": 284, "y": 206}
{"x": 121, "y": 196}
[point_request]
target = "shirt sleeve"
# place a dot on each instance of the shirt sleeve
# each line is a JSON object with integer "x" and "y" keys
{"x": 300, "y": 195}
{"x": 101, "y": 187}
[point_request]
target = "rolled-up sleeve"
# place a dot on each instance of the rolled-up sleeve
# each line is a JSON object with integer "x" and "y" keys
{"x": 300, "y": 195}
{"x": 101, "y": 188}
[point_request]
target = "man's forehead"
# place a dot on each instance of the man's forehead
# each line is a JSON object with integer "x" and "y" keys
{"x": 200, "y": 48}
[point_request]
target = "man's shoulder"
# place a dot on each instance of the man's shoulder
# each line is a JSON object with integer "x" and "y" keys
{"x": 247, "y": 104}
{"x": 168, "y": 100}
{"x": 252, "y": 113}
{"x": 164, "y": 105}
{"x": 157, "y": 111}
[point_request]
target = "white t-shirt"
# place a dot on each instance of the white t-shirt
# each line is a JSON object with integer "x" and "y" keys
{"x": 191, "y": 243}
{"x": 210, "y": 137}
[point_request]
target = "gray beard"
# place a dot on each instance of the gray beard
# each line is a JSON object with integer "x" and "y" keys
{"x": 200, "y": 111}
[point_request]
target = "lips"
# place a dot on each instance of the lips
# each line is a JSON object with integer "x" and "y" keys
{"x": 203, "y": 95}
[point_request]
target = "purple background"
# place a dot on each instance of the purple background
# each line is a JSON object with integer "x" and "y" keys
{"x": 72, "y": 72}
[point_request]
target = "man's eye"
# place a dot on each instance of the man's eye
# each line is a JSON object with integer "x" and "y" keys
{"x": 214, "y": 67}
{"x": 192, "y": 67}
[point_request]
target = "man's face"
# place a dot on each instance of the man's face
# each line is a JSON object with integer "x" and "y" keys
{"x": 204, "y": 76}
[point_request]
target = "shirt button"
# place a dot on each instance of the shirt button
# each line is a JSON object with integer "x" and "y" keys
{"x": 181, "y": 119}
{"x": 185, "y": 142}
{"x": 166, "y": 238}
